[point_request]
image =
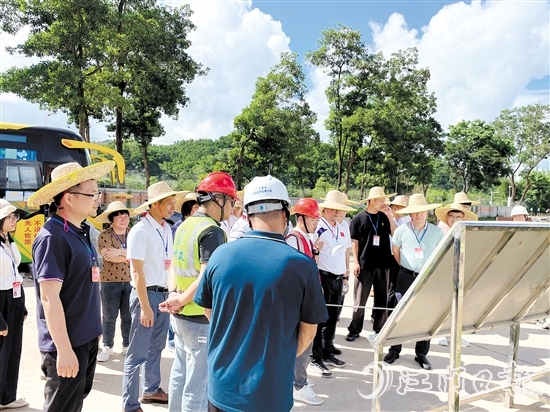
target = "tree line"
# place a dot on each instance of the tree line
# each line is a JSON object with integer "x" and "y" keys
{"x": 126, "y": 63}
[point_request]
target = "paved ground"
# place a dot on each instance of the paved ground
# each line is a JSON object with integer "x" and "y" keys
{"x": 410, "y": 389}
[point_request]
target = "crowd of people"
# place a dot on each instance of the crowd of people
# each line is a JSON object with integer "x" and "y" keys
{"x": 248, "y": 302}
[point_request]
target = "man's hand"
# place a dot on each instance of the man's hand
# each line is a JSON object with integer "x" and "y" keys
{"x": 147, "y": 317}
{"x": 172, "y": 304}
{"x": 319, "y": 245}
{"x": 355, "y": 268}
{"x": 346, "y": 284}
{"x": 4, "y": 332}
{"x": 67, "y": 364}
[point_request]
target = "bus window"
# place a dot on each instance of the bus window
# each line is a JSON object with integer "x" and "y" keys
{"x": 22, "y": 177}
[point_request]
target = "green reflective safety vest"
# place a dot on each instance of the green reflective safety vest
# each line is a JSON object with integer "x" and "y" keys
{"x": 186, "y": 257}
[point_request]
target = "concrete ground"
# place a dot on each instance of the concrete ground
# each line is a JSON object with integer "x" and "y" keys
{"x": 408, "y": 387}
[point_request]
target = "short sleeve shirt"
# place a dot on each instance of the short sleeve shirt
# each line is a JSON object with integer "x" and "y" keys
{"x": 332, "y": 236}
{"x": 60, "y": 256}
{"x": 364, "y": 226}
{"x": 151, "y": 243}
{"x": 113, "y": 271}
{"x": 255, "y": 319}
{"x": 408, "y": 238}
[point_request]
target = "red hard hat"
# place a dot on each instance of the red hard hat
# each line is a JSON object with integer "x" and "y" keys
{"x": 307, "y": 207}
{"x": 218, "y": 182}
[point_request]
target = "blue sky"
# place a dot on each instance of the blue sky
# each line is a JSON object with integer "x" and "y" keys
{"x": 483, "y": 57}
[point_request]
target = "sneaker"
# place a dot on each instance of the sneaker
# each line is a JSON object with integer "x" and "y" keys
{"x": 443, "y": 342}
{"x": 310, "y": 383}
{"x": 307, "y": 395}
{"x": 21, "y": 403}
{"x": 350, "y": 337}
{"x": 336, "y": 351}
{"x": 333, "y": 360}
{"x": 124, "y": 350}
{"x": 543, "y": 324}
{"x": 105, "y": 354}
{"x": 465, "y": 343}
{"x": 317, "y": 367}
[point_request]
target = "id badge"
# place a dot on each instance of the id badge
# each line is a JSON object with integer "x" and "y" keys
{"x": 376, "y": 240}
{"x": 418, "y": 253}
{"x": 16, "y": 289}
{"x": 95, "y": 274}
{"x": 167, "y": 264}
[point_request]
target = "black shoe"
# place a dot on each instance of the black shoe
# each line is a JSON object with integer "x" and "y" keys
{"x": 423, "y": 362}
{"x": 391, "y": 357}
{"x": 333, "y": 360}
{"x": 352, "y": 336}
{"x": 336, "y": 351}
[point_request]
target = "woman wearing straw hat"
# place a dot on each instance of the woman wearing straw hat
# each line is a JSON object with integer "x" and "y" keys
{"x": 115, "y": 277}
{"x": 370, "y": 239}
{"x": 412, "y": 245}
{"x": 66, "y": 276}
{"x": 150, "y": 254}
{"x": 12, "y": 309}
{"x": 333, "y": 266}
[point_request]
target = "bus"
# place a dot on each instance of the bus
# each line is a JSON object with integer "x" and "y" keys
{"x": 28, "y": 154}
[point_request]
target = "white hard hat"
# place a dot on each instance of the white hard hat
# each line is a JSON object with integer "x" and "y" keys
{"x": 265, "y": 188}
{"x": 519, "y": 210}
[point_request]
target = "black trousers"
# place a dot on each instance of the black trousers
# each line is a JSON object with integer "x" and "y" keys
{"x": 403, "y": 282}
{"x": 13, "y": 311}
{"x": 67, "y": 394}
{"x": 332, "y": 290}
{"x": 379, "y": 278}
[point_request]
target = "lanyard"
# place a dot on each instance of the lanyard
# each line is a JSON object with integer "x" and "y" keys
{"x": 164, "y": 244}
{"x": 122, "y": 244}
{"x": 90, "y": 249}
{"x": 425, "y": 229}
{"x": 330, "y": 228}
{"x": 12, "y": 261}
{"x": 372, "y": 223}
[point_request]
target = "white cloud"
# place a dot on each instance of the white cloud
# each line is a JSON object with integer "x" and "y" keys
{"x": 481, "y": 55}
{"x": 318, "y": 100}
{"x": 237, "y": 42}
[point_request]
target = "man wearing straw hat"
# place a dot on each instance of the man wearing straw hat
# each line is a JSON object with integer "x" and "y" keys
{"x": 333, "y": 267}
{"x": 66, "y": 276}
{"x": 462, "y": 200}
{"x": 400, "y": 202}
{"x": 115, "y": 277}
{"x": 370, "y": 244}
{"x": 196, "y": 239}
{"x": 150, "y": 254}
{"x": 120, "y": 196}
{"x": 449, "y": 215}
{"x": 413, "y": 244}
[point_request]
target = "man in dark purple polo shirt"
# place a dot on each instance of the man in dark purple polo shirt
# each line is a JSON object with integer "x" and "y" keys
{"x": 66, "y": 276}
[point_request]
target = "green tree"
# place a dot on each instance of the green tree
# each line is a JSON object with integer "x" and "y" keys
{"x": 474, "y": 156}
{"x": 538, "y": 196}
{"x": 68, "y": 39}
{"x": 276, "y": 129}
{"x": 340, "y": 51}
{"x": 527, "y": 128}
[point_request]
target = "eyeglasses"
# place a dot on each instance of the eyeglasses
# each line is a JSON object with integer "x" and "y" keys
{"x": 95, "y": 196}
{"x": 13, "y": 217}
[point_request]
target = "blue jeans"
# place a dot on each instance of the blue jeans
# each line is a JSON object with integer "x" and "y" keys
{"x": 189, "y": 375}
{"x": 146, "y": 345}
{"x": 115, "y": 298}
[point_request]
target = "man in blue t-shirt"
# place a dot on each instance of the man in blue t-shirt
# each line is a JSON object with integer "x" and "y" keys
{"x": 259, "y": 324}
{"x": 66, "y": 276}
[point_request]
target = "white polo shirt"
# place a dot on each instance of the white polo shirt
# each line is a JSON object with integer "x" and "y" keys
{"x": 339, "y": 235}
{"x": 151, "y": 243}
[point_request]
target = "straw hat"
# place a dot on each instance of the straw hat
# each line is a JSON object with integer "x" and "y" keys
{"x": 400, "y": 200}
{"x": 377, "y": 192}
{"x": 181, "y": 200}
{"x": 441, "y": 212}
{"x": 115, "y": 206}
{"x": 346, "y": 200}
{"x": 418, "y": 203}
{"x": 336, "y": 200}
{"x": 66, "y": 176}
{"x": 120, "y": 194}
{"x": 156, "y": 192}
{"x": 462, "y": 197}
{"x": 6, "y": 208}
